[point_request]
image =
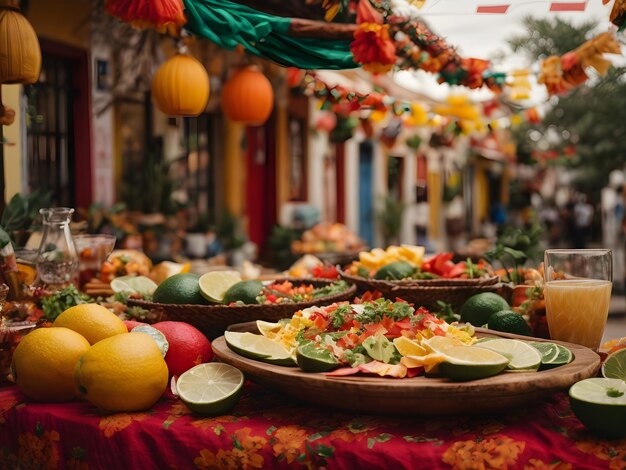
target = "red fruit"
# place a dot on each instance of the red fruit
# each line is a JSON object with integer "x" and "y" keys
{"x": 188, "y": 347}
{"x": 130, "y": 324}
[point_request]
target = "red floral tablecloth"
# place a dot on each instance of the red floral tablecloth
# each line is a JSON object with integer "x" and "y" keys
{"x": 267, "y": 430}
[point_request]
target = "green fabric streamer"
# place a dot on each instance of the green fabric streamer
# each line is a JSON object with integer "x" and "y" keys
{"x": 228, "y": 24}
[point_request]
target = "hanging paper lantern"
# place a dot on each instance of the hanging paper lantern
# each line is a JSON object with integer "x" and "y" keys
{"x": 248, "y": 97}
{"x": 20, "y": 55}
{"x": 181, "y": 86}
{"x": 162, "y": 15}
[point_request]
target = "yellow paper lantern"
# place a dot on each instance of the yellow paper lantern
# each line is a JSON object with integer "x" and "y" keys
{"x": 20, "y": 54}
{"x": 181, "y": 86}
{"x": 248, "y": 97}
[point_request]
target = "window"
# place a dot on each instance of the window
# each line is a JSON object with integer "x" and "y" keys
{"x": 49, "y": 131}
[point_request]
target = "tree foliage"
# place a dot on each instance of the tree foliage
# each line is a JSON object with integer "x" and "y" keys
{"x": 590, "y": 119}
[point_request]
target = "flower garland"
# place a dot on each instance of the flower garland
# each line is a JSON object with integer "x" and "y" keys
{"x": 562, "y": 74}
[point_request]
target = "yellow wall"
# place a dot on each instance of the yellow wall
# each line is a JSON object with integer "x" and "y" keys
{"x": 65, "y": 21}
{"x": 12, "y": 153}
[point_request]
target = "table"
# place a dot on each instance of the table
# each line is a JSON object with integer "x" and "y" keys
{"x": 268, "y": 430}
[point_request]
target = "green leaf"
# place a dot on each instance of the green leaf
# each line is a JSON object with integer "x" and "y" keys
{"x": 325, "y": 451}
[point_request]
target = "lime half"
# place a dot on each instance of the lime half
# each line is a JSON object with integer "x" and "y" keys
{"x": 214, "y": 284}
{"x": 156, "y": 335}
{"x": 614, "y": 366}
{"x": 522, "y": 355}
{"x": 141, "y": 284}
{"x": 314, "y": 359}
{"x": 259, "y": 348}
{"x": 462, "y": 362}
{"x": 211, "y": 389}
{"x": 600, "y": 404}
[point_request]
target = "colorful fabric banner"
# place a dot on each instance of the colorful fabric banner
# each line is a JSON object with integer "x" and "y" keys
{"x": 229, "y": 24}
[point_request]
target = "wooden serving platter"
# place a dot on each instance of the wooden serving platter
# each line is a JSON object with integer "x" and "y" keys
{"x": 418, "y": 395}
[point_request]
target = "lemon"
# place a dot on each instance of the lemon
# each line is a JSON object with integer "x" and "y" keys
{"x": 244, "y": 291}
{"x": 508, "y": 321}
{"x": 258, "y": 347}
{"x": 141, "y": 284}
{"x": 43, "y": 363}
{"x": 180, "y": 289}
{"x": 211, "y": 389}
{"x": 478, "y": 308}
{"x": 92, "y": 321}
{"x": 614, "y": 366}
{"x": 268, "y": 329}
{"x": 408, "y": 347}
{"x": 122, "y": 373}
{"x": 313, "y": 359}
{"x": 600, "y": 404}
{"x": 462, "y": 362}
{"x": 214, "y": 284}
{"x": 522, "y": 355}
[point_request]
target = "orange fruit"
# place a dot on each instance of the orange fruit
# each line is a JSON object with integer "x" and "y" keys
{"x": 93, "y": 321}
{"x": 43, "y": 363}
{"x": 188, "y": 347}
{"x": 122, "y": 373}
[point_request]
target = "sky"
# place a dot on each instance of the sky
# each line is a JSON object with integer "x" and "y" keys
{"x": 485, "y": 35}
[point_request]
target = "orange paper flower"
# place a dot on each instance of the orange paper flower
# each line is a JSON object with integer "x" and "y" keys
{"x": 373, "y": 48}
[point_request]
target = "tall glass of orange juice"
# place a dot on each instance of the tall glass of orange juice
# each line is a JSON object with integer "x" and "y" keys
{"x": 578, "y": 293}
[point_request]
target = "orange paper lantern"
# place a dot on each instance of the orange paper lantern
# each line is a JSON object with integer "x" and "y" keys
{"x": 181, "y": 86}
{"x": 248, "y": 97}
{"x": 20, "y": 55}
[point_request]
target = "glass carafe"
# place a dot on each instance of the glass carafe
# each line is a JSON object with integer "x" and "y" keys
{"x": 57, "y": 261}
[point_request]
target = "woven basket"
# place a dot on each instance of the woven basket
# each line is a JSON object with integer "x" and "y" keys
{"x": 426, "y": 292}
{"x": 213, "y": 320}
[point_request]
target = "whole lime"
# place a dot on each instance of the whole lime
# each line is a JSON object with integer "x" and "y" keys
{"x": 395, "y": 271}
{"x": 244, "y": 291}
{"x": 478, "y": 308}
{"x": 508, "y": 321}
{"x": 179, "y": 289}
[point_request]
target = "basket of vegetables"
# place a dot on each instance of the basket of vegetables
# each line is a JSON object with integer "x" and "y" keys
{"x": 245, "y": 301}
{"x": 404, "y": 272}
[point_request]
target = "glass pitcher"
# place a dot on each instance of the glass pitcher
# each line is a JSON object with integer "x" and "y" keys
{"x": 57, "y": 261}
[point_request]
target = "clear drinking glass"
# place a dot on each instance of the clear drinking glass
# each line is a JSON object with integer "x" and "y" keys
{"x": 57, "y": 262}
{"x": 93, "y": 250}
{"x": 578, "y": 294}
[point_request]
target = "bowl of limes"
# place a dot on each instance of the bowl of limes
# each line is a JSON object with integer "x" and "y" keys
{"x": 217, "y": 299}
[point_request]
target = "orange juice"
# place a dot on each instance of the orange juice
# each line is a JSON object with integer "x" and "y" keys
{"x": 577, "y": 310}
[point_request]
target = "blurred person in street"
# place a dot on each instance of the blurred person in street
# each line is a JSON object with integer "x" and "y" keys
{"x": 583, "y": 218}
{"x": 550, "y": 218}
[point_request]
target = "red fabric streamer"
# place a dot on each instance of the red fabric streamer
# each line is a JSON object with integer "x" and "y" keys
{"x": 162, "y": 15}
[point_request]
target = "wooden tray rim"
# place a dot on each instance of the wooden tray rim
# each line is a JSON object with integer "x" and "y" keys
{"x": 586, "y": 363}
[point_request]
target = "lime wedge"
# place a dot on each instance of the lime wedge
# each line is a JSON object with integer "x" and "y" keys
{"x": 601, "y": 405}
{"x": 614, "y": 366}
{"x": 141, "y": 284}
{"x": 565, "y": 356}
{"x": 314, "y": 359}
{"x": 522, "y": 355}
{"x": 549, "y": 351}
{"x": 214, "y": 284}
{"x": 211, "y": 389}
{"x": 159, "y": 337}
{"x": 259, "y": 348}
{"x": 462, "y": 362}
